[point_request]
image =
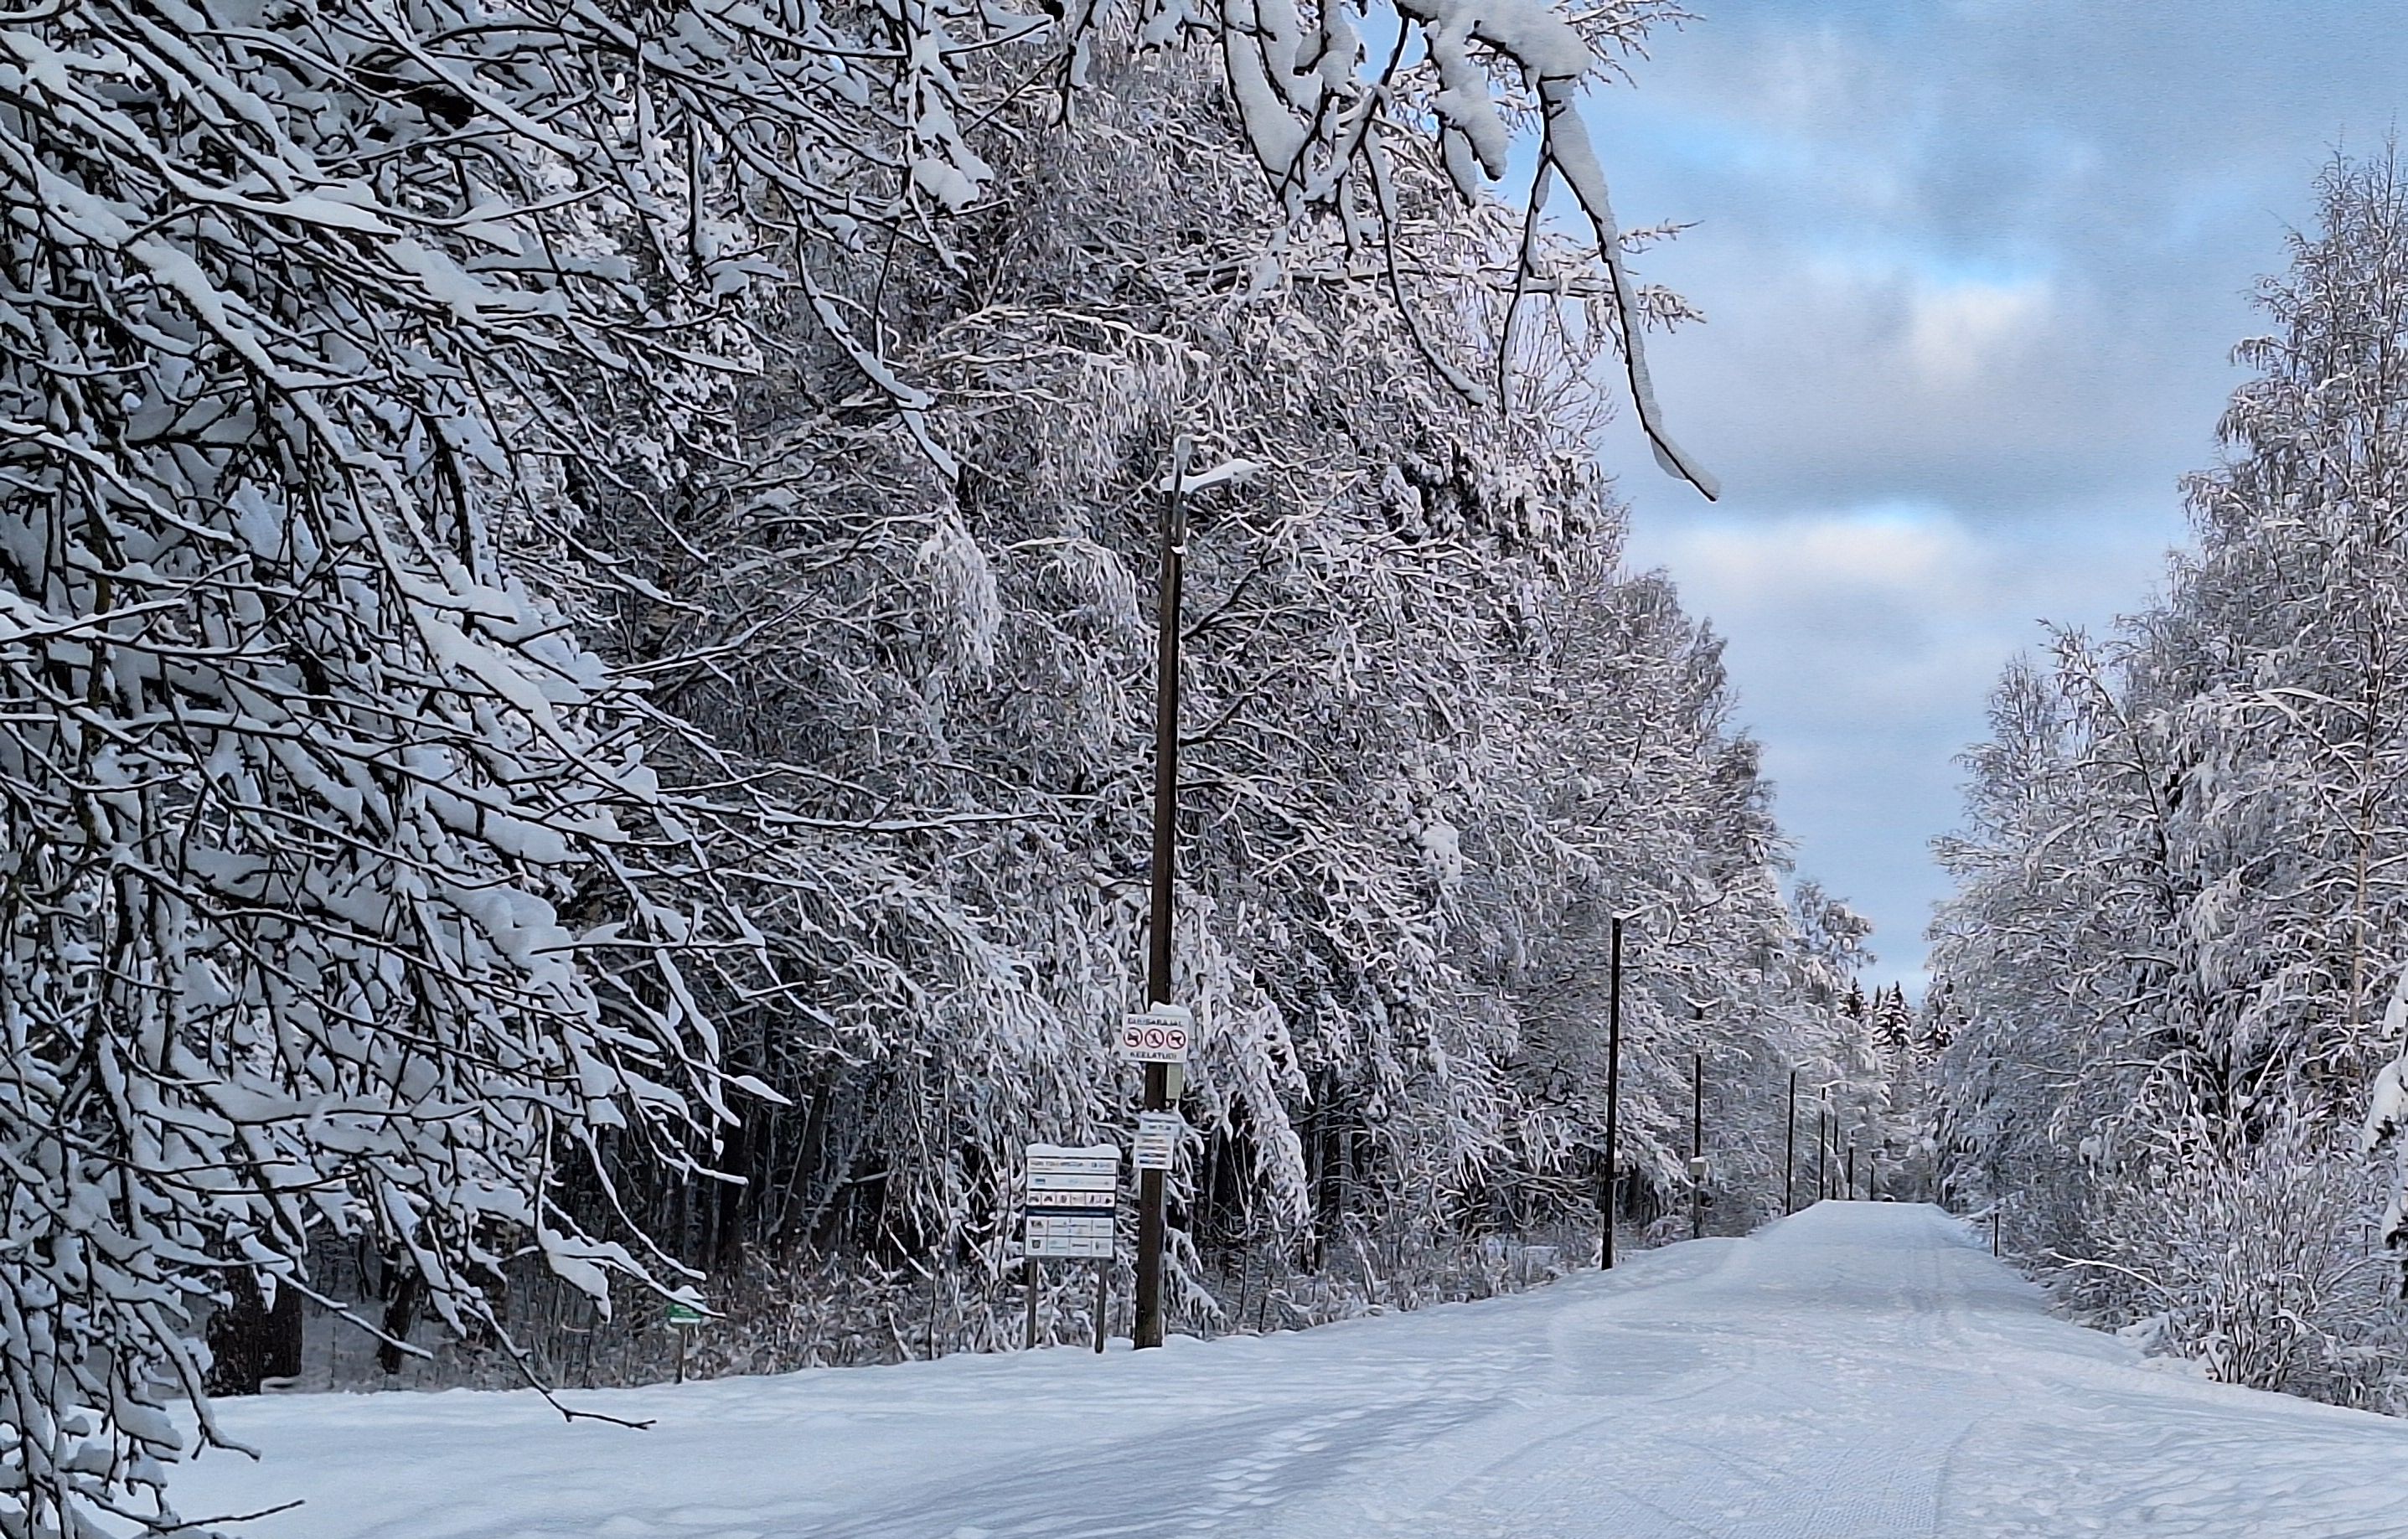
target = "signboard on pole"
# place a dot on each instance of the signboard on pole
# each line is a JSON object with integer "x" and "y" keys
{"x": 1160, "y": 1036}
{"x": 1157, "y": 1139}
{"x": 680, "y": 1317}
{"x": 1071, "y": 1194}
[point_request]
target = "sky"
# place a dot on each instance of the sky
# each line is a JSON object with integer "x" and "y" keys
{"x": 1972, "y": 272}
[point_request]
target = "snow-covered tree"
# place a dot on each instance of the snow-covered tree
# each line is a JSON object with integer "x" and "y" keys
{"x": 1436, "y": 738}
{"x": 341, "y": 893}
{"x": 1892, "y": 1019}
{"x": 1937, "y": 1019}
{"x": 2178, "y": 887}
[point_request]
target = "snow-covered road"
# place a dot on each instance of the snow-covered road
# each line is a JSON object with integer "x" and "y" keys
{"x": 1859, "y": 1370}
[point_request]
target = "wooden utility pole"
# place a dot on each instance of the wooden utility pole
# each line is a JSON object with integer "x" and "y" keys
{"x": 1852, "y": 1168}
{"x": 1147, "y": 1329}
{"x": 1698, "y": 1146}
{"x": 1609, "y": 1199}
{"x": 1789, "y": 1151}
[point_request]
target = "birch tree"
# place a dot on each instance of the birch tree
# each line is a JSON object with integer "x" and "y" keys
{"x": 2179, "y": 894}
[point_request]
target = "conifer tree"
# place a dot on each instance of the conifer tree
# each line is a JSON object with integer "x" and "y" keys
{"x": 1892, "y": 1022}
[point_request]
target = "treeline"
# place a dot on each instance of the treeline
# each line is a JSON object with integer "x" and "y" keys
{"x": 575, "y": 675}
{"x": 2177, "y": 938}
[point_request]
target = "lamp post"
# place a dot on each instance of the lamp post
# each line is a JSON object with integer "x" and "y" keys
{"x": 1697, "y": 1145}
{"x": 1823, "y": 1147}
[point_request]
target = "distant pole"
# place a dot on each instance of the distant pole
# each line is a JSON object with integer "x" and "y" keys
{"x": 1789, "y": 1152}
{"x": 1852, "y": 1168}
{"x": 1696, "y": 1144}
{"x": 1823, "y": 1150}
{"x": 1146, "y": 1330}
{"x": 1612, "y": 1093}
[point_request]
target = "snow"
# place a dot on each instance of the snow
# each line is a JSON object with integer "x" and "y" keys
{"x": 1857, "y": 1369}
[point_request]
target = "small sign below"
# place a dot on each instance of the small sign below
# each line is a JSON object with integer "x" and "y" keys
{"x": 1082, "y": 1235}
{"x": 1160, "y": 1036}
{"x": 1158, "y": 1134}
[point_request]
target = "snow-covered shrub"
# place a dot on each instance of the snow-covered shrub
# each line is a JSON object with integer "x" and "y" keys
{"x": 2261, "y": 1266}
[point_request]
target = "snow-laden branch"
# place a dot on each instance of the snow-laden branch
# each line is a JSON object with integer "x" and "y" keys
{"x": 1324, "y": 119}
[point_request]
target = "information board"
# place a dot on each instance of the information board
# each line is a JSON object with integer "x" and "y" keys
{"x": 1070, "y": 1198}
{"x": 1157, "y": 1139}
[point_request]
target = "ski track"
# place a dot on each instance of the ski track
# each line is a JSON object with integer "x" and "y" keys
{"x": 1857, "y": 1369}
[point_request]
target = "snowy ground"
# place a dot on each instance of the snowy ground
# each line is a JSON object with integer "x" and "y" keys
{"x": 1859, "y": 1370}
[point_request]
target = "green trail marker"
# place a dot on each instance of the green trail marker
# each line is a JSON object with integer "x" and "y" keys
{"x": 680, "y": 1317}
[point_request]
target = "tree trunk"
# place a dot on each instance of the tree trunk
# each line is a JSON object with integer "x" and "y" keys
{"x": 250, "y": 1341}
{"x": 400, "y": 1312}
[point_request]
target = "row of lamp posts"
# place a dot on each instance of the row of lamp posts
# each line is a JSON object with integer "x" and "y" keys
{"x": 1609, "y": 1198}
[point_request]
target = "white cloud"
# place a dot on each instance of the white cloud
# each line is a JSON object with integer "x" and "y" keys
{"x": 1959, "y": 333}
{"x": 1877, "y": 552}
{"x": 1863, "y": 642}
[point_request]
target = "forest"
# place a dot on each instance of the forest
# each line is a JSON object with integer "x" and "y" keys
{"x": 2173, "y": 968}
{"x": 577, "y": 675}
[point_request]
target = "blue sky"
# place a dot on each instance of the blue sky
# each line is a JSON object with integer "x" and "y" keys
{"x": 1972, "y": 273}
